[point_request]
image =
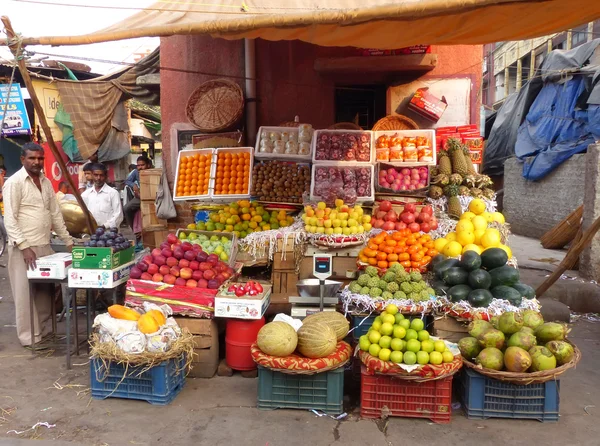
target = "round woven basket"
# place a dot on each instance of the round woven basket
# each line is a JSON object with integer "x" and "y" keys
{"x": 215, "y": 105}
{"x": 395, "y": 122}
{"x": 525, "y": 379}
{"x": 345, "y": 126}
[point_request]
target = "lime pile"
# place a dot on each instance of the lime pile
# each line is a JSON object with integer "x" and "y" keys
{"x": 394, "y": 338}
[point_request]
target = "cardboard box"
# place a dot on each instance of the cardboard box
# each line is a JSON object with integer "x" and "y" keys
{"x": 206, "y": 346}
{"x": 149, "y": 218}
{"x": 427, "y": 105}
{"x": 244, "y": 307}
{"x": 54, "y": 266}
{"x": 152, "y": 238}
{"x": 149, "y": 182}
{"x": 85, "y": 257}
{"x": 99, "y": 278}
{"x": 450, "y": 329}
{"x": 284, "y": 282}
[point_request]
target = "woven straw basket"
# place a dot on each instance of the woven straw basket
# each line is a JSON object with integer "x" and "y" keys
{"x": 215, "y": 105}
{"x": 395, "y": 122}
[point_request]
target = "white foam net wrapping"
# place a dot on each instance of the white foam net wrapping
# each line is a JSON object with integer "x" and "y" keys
{"x": 356, "y": 304}
{"x": 495, "y": 308}
{"x": 441, "y": 204}
{"x": 264, "y": 243}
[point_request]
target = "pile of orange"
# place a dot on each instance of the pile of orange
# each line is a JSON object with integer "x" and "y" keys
{"x": 194, "y": 175}
{"x": 413, "y": 251}
{"x": 233, "y": 173}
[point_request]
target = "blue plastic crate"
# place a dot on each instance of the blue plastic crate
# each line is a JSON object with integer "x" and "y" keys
{"x": 361, "y": 329}
{"x": 484, "y": 397}
{"x": 158, "y": 385}
{"x": 322, "y": 391}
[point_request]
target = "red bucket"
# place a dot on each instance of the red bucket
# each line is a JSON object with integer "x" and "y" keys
{"x": 239, "y": 336}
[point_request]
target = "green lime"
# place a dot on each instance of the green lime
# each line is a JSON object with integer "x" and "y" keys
{"x": 436, "y": 358}
{"x": 448, "y": 356}
{"x": 397, "y": 344}
{"x": 411, "y": 334}
{"x": 439, "y": 346}
{"x": 384, "y": 354}
{"x": 374, "y": 337}
{"x": 376, "y": 325}
{"x": 417, "y": 324}
{"x": 399, "y": 332}
{"x": 422, "y": 357}
{"x": 364, "y": 343}
{"x": 396, "y": 357}
{"x": 391, "y": 309}
{"x": 386, "y": 329}
{"x": 378, "y": 319}
{"x": 388, "y": 318}
{"x": 385, "y": 342}
{"x": 409, "y": 358}
{"x": 423, "y": 335}
{"x": 374, "y": 349}
{"x": 404, "y": 323}
{"x": 427, "y": 345}
{"x": 398, "y": 317}
{"x": 413, "y": 346}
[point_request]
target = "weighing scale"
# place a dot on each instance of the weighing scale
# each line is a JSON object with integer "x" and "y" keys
{"x": 303, "y": 306}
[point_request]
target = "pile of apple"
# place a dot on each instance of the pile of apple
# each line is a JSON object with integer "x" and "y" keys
{"x": 403, "y": 179}
{"x": 178, "y": 262}
{"x": 384, "y": 217}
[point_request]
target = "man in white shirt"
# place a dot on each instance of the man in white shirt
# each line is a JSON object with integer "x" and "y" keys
{"x": 102, "y": 200}
{"x": 83, "y": 168}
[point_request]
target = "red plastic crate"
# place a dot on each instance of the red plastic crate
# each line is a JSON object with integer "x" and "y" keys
{"x": 429, "y": 399}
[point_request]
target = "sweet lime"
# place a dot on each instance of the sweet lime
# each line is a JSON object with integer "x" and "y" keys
{"x": 389, "y": 318}
{"x": 477, "y": 206}
{"x": 364, "y": 343}
{"x": 404, "y": 323}
{"x": 423, "y": 335}
{"x": 417, "y": 324}
{"x": 451, "y": 237}
{"x": 374, "y": 337}
{"x": 378, "y": 319}
{"x": 436, "y": 358}
{"x": 426, "y": 345}
{"x": 413, "y": 345}
{"x": 396, "y": 357}
{"x": 411, "y": 334}
{"x": 464, "y": 225}
{"x": 452, "y": 249}
{"x": 448, "y": 356}
{"x": 422, "y": 357}
{"x": 391, "y": 309}
{"x": 398, "y": 317}
{"x": 386, "y": 329}
{"x": 374, "y": 350}
{"x": 384, "y": 354}
{"x": 376, "y": 325}
{"x": 439, "y": 346}
{"x": 385, "y": 342}
{"x": 396, "y": 344}
{"x": 409, "y": 358}
{"x": 399, "y": 332}
{"x": 440, "y": 243}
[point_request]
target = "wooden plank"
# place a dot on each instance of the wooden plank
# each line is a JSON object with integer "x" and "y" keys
{"x": 380, "y": 64}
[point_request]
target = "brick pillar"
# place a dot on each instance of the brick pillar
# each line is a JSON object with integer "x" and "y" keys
{"x": 589, "y": 261}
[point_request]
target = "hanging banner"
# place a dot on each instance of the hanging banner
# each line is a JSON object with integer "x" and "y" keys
{"x": 12, "y": 108}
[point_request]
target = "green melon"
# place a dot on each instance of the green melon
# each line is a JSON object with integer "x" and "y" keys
{"x": 277, "y": 339}
{"x": 335, "y": 320}
{"x": 316, "y": 340}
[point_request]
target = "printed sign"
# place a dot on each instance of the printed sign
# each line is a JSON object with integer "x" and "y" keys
{"x": 12, "y": 108}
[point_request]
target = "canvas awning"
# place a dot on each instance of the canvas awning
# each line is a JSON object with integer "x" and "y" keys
{"x": 383, "y": 24}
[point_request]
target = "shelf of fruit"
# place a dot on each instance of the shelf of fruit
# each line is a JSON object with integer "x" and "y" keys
{"x": 519, "y": 347}
{"x": 375, "y": 290}
{"x": 183, "y": 264}
{"x": 480, "y": 286}
{"x": 402, "y": 347}
{"x": 341, "y": 225}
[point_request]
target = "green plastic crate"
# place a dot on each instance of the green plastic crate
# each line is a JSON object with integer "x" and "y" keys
{"x": 322, "y": 391}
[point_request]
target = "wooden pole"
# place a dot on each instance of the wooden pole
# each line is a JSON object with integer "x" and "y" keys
{"x": 571, "y": 258}
{"x": 14, "y": 47}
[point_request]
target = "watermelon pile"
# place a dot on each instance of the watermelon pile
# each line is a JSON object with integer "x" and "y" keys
{"x": 479, "y": 278}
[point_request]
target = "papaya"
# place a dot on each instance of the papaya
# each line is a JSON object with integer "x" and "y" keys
{"x": 122, "y": 312}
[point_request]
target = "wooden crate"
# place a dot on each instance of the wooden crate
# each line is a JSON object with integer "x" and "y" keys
{"x": 206, "y": 345}
{"x": 287, "y": 264}
{"x": 149, "y": 219}
{"x": 284, "y": 282}
{"x": 149, "y": 182}
{"x": 153, "y": 238}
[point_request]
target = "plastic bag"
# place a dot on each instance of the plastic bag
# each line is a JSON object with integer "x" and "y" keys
{"x": 282, "y": 317}
{"x": 165, "y": 208}
{"x": 132, "y": 342}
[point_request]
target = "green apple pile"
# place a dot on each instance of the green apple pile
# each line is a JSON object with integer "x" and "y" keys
{"x": 214, "y": 244}
{"x": 392, "y": 337}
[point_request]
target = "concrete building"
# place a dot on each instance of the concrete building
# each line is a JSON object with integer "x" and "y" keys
{"x": 508, "y": 65}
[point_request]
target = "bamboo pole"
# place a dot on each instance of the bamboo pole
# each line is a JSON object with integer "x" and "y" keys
{"x": 42, "y": 118}
{"x": 571, "y": 258}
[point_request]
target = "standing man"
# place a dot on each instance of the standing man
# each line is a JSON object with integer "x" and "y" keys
{"x": 31, "y": 211}
{"x": 133, "y": 181}
{"x": 102, "y": 200}
{"x": 85, "y": 178}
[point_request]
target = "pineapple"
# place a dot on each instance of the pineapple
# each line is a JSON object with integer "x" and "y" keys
{"x": 435, "y": 192}
{"x": 441, "y": 180}
{"x": 444, "y": 164}
{"x": 483, "y": 181}
{"x": 488, "y": 193}
{"x": 470, "y": 180}
{"x": 456, "y": 179}
{"x": 433, "y": 171}
{"x": 454, "y": 207}
{"x": 457, "y": 157}
{"x": 470, "y": 167}
{"x": 463, "y": 190}
{"x": 476, "y": 192}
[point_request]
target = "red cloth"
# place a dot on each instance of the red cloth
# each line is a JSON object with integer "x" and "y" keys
{"x": 296, "y": 362}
